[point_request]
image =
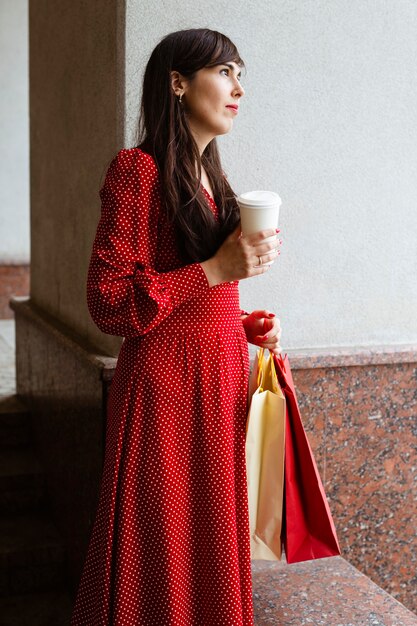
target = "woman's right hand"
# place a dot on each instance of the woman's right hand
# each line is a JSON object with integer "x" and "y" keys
{"x": 238, "y": 256}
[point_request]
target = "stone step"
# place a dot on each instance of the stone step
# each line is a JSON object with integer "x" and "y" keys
{"x": 22, "y": 481}
{"x": 15, "y": 428}
{"x": 324, "y": 592}
{"x": 32, "y": 554}
{"x": 40, "y": 609}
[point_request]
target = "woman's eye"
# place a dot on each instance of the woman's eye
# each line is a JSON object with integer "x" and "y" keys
{"x": 224, "y": 69}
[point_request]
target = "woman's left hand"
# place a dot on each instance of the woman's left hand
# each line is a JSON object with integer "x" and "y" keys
{"x": 263, "y": 329}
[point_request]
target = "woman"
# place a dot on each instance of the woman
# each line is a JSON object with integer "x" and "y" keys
{"x": 170, "y": 543}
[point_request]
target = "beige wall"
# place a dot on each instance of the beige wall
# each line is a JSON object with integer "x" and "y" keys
{"x": 329, "y": 121}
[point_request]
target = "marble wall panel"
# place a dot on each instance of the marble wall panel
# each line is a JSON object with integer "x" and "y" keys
{"x": 362, "y": 425}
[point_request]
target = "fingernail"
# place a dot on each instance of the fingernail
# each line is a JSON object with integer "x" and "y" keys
{"x": 264, "y": 338}
{"x": 271, "y": 315}
{"x": 277, "y": 230}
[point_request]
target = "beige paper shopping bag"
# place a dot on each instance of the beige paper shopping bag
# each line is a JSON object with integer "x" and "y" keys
{"x": 265, "y": 448}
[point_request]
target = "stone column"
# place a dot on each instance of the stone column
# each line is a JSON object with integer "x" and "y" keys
{"x": 62, "y": 359}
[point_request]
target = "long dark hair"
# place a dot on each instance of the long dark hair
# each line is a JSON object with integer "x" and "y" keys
{"x": 164, "y": 133}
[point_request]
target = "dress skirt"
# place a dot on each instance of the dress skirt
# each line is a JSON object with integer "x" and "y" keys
{"x": 170, "y": 542}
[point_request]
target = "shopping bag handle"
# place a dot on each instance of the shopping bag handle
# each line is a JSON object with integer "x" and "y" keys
{"x": 281, "y": 358}
{"x": 260, "y": 360}
{"x": 262, "y": 364}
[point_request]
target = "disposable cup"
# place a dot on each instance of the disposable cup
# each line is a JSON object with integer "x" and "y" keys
{"x": 259, "y": 210}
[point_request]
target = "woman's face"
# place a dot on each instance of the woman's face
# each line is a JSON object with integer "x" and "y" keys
{"x": 211, "y": 100}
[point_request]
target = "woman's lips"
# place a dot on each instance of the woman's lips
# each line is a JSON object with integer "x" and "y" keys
{"x": 232, "y": 107}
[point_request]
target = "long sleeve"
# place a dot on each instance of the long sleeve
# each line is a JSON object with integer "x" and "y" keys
{"x": 126, "y": 296}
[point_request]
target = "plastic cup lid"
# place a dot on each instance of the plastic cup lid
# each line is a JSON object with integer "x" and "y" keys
{"x": 259, "y": 198}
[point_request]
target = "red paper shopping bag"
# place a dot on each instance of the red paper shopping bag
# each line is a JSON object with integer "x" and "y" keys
{"x": 308, "y": 529}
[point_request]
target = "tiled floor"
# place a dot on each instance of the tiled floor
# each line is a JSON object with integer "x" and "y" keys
{"x": 45, "y": 608}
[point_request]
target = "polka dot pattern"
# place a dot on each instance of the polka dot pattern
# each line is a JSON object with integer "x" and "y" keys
{"x": 170, "y": 542}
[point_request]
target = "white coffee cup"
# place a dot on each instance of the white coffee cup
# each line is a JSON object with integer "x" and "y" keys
{"x": 259, "y": 210}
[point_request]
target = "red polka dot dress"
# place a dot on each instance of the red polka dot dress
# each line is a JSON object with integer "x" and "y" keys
{"x": 170, "y": 541}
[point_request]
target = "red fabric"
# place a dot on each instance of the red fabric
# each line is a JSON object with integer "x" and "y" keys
{"x": 308, "y": 530}
{"x": 170, "y": 542}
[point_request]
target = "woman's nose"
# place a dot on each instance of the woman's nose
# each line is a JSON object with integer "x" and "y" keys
{"x": 239, "y": 91}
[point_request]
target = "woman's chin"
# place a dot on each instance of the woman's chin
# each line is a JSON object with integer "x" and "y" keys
{"x": 226, "y": 128}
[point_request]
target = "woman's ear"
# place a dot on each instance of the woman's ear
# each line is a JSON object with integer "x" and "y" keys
{"x": 177, "y": 83}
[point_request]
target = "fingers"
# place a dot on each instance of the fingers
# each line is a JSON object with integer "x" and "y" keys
{"x": 255, "y": 238}
{"x": 257, "y": 264}
{"x": 271, "y": 256}
{"x": 268, "y": 251}
{"x": 272, "y": 329}
{"x": 249, "y": 256}
{"x": 274, "y": 347}
{"x": 262, "y": 313}
{"x": 265, "y": 251}
{"x": 265, "y": 248}
{"x": 271, "y": 338}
